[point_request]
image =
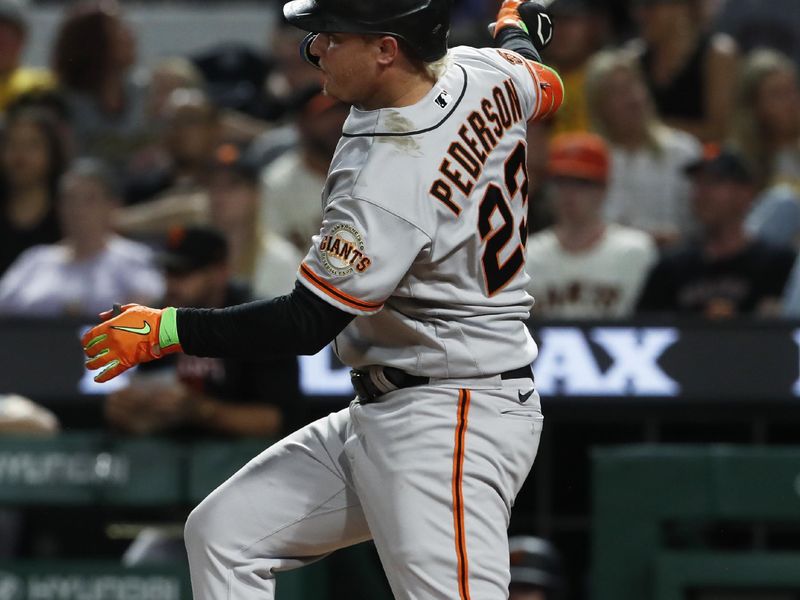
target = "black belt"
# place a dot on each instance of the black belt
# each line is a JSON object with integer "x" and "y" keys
{"x": 390, "y": 379}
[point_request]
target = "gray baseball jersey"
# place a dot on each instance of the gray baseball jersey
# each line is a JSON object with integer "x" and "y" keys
{"x": 424, "y": 224}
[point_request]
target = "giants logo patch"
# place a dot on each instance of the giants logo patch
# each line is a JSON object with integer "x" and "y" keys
{"x": 514, "y": 59}
{"x": 342, "y": 251}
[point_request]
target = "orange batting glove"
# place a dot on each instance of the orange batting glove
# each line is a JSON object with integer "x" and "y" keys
{"x": 508, "y": 16}
{"x": 139, "y": 334}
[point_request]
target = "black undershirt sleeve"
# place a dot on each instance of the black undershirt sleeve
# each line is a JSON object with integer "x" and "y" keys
{"x": 515, "y": 39}
{"x": 298, "y": 323}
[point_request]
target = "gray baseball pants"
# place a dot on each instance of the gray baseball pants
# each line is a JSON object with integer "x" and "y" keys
{"x": 429, "y": 473}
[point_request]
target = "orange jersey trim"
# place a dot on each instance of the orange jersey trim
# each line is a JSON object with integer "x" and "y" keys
{"x": 537, "y": 86}
{"x": 458, "y": 495}
{"x": 336, "y": 293}
{"x": 550, "y": 89}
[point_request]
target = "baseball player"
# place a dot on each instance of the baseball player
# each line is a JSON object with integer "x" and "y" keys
{"x": 417, "y": 277}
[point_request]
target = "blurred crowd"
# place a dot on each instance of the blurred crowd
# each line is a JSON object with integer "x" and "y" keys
{"x": 669, "y": 182}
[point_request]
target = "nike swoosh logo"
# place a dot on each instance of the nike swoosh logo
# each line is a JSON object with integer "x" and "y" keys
{"x": 143, "y": 330}
{"x": 524, "y": 397}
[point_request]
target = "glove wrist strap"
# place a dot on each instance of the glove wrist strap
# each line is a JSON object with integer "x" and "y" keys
{"x": 168, "y": 330}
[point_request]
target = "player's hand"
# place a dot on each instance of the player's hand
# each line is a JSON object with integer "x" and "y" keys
{"x": 532, "y": 17}
{"x": 135, "y": 336}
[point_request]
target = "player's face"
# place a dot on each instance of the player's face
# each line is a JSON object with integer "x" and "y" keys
{"x": 348, "y": 67}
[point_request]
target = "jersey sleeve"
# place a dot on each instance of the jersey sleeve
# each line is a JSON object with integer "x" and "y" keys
{"x": 542, "y": 88}
{"x": 360, "y": 256}
{"x": 549, "y": 87}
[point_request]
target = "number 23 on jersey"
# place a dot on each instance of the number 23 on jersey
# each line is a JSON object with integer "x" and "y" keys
{"x": 496, "y": 271}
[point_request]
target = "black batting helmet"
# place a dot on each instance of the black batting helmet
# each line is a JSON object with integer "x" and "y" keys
{"x": 423, "y": 24}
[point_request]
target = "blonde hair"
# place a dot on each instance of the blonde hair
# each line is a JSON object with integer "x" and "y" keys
{"x": 433, "y": 70}
{"x": 598, "y": 70}
{"x": 437, "y": 68}
{"x": 746, "y": 133}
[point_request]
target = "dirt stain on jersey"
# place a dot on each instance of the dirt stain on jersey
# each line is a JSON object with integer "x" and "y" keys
{"x": 397, "y": 123}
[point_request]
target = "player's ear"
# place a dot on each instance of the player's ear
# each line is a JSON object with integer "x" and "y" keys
{"x": 388, "y": 50}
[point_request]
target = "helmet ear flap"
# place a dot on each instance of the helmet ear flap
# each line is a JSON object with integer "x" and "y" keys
{"x": 305, "y": 50}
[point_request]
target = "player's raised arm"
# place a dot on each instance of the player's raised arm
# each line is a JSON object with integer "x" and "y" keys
{"x": 526, "y": 28}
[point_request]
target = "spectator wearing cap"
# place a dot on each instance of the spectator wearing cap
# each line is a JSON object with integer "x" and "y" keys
{"x": 16, "y": 80}
{"x": 690, "y": 71}
{"x": 583, "y": 267}
{"x": 582, "y": 28}
{"x": 291, "y": 185}
{"x": 648, "y": 188}
{"x": 536, "y": 569}
{"x": 91, "y": 267}
{"x": 189, "y": 397}
{"x": 726, "y": 272}
{"x": 263, "y": 258}
{"x": 224, "y": 396}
